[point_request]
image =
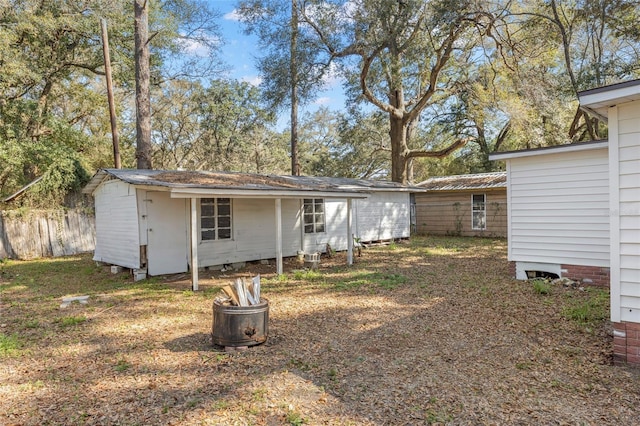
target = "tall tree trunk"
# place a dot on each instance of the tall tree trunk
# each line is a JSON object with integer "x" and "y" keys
{"x": 143, "y": 77}
{"x": 398, "y": 134}
{"x": 293, "y": 69}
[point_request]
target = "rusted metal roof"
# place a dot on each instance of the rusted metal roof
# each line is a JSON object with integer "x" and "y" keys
{"x": 465, "y": 182}
{"x": 181, "y": 179}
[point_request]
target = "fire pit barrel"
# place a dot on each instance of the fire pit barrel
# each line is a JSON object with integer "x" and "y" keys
{"x": 240, "y": 325}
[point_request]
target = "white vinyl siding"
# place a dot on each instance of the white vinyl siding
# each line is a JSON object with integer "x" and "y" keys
{"x": 559, "y": 208}
{"x": 254, "y": 233}
{"x": 382, "y": 216}
{"x": 117, "y": 233}
{"x": 626, "y": 230}
{"x": 335, "y": 234}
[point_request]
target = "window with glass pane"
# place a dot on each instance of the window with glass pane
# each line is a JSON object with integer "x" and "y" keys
{"x": 479, "y": 212}
{"x": 313, "y": 215}
{"x": 215, "y": 219}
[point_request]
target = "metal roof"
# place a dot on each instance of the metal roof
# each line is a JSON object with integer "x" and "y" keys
{"x": 199, "y": 182}
{"x": 465, "y": 182}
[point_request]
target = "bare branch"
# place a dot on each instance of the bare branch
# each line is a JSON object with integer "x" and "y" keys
{"x": 419, "y": 153}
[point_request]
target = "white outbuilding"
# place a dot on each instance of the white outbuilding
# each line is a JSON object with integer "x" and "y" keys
{"x": 162, "y": 222}
{"x": 574, "y": 210}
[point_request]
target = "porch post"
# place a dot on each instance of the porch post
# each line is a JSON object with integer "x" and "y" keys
{"x": 349, "y": 233}
{"x": 279, "y": 236}
{"x": 194, "y": 245}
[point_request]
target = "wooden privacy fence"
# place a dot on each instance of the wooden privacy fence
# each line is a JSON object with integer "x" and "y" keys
{"x": 44, "y": 233}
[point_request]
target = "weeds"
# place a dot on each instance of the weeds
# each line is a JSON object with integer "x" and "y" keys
{"x": 308, "y": 275}
{"x": 541, "y": 286}
{"x": 592, "y": 310}
{"x": 295, "y": 419}
{"x": 122, "y": 365}
{"x": 71, "y": 321}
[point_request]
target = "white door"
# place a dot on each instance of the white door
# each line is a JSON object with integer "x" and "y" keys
{"x": 167, "y": 244}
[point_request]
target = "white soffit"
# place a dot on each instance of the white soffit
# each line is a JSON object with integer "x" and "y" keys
{"x": 601, "y": 98}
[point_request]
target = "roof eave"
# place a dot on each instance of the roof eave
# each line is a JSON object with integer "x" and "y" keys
{"x": 583, "y": 146}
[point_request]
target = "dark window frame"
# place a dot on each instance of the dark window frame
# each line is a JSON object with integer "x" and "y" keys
{"x": 216, "y": 219}
{"x": 314, "y": 216}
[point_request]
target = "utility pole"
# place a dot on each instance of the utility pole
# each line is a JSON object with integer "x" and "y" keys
{"x": 112, "y": 105}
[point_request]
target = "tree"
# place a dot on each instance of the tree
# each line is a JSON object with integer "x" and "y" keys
{"x": 143, "y": 80}
{"x": 52, "y": 82}
{"x": 293, "y": 64}
{"x": 344, "y": 145}
{"x": 597, "y": 47}
{"x": 405, "y": 51}
{"x": 221, "y": 127}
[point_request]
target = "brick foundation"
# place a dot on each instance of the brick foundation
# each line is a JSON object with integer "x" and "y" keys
{"x": 626, "y": 343}
{"x": 590, "y": 275}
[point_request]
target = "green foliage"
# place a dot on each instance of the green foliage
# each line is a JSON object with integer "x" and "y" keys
{"x": 71, "y": 321}
{"x": 294, "y": 418}
{"x": 9, "y": 344}
{"x": 122, "y": 365}
{"x": 222, "y": 127}
{"x": 307, "y": 275}
{"x": 541, "y": 286}
{"x": 593, "y": 309}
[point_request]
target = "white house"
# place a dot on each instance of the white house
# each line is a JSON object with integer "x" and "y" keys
{"x": 574, "y": 210}
{"x": 163, "y": 222}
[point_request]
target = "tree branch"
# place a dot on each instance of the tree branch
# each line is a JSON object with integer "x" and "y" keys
{"x": 420, "y": 153}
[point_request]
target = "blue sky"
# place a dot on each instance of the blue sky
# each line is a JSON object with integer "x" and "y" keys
{"x": 240, "y": 50}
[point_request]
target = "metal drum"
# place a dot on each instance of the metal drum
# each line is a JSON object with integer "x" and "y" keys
{"x": 240, "y": 325}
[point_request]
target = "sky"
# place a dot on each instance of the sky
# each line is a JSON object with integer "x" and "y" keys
{"x": 240, "y": 50}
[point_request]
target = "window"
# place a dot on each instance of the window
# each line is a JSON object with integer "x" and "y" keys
{"x": 215, "y": 219}
{"x": 313, "y": 215}
{"x": 479, "y": 211}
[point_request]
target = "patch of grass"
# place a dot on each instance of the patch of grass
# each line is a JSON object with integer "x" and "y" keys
{"x": 294, "y": 418}
{"x": 300, "y": 364}
{"x": 438, "y": 417}
{"x": 593, "y": 309}
{"x": 259, "y": 395}
{"x": 541, "y": 286}
{"x": 32, "y": 323}
{"x": 308, "y": 275}
{"x": 122, "y": 365}
{"x": 332, "y": 373}
{"x": 220, "y": 405}
{"x": 71, "y": 321}
{"x": 525, "y": 365}
{"x": 9, "y": 344}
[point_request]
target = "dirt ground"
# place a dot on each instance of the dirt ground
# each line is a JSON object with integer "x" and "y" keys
{"x": 431, "y": 331}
